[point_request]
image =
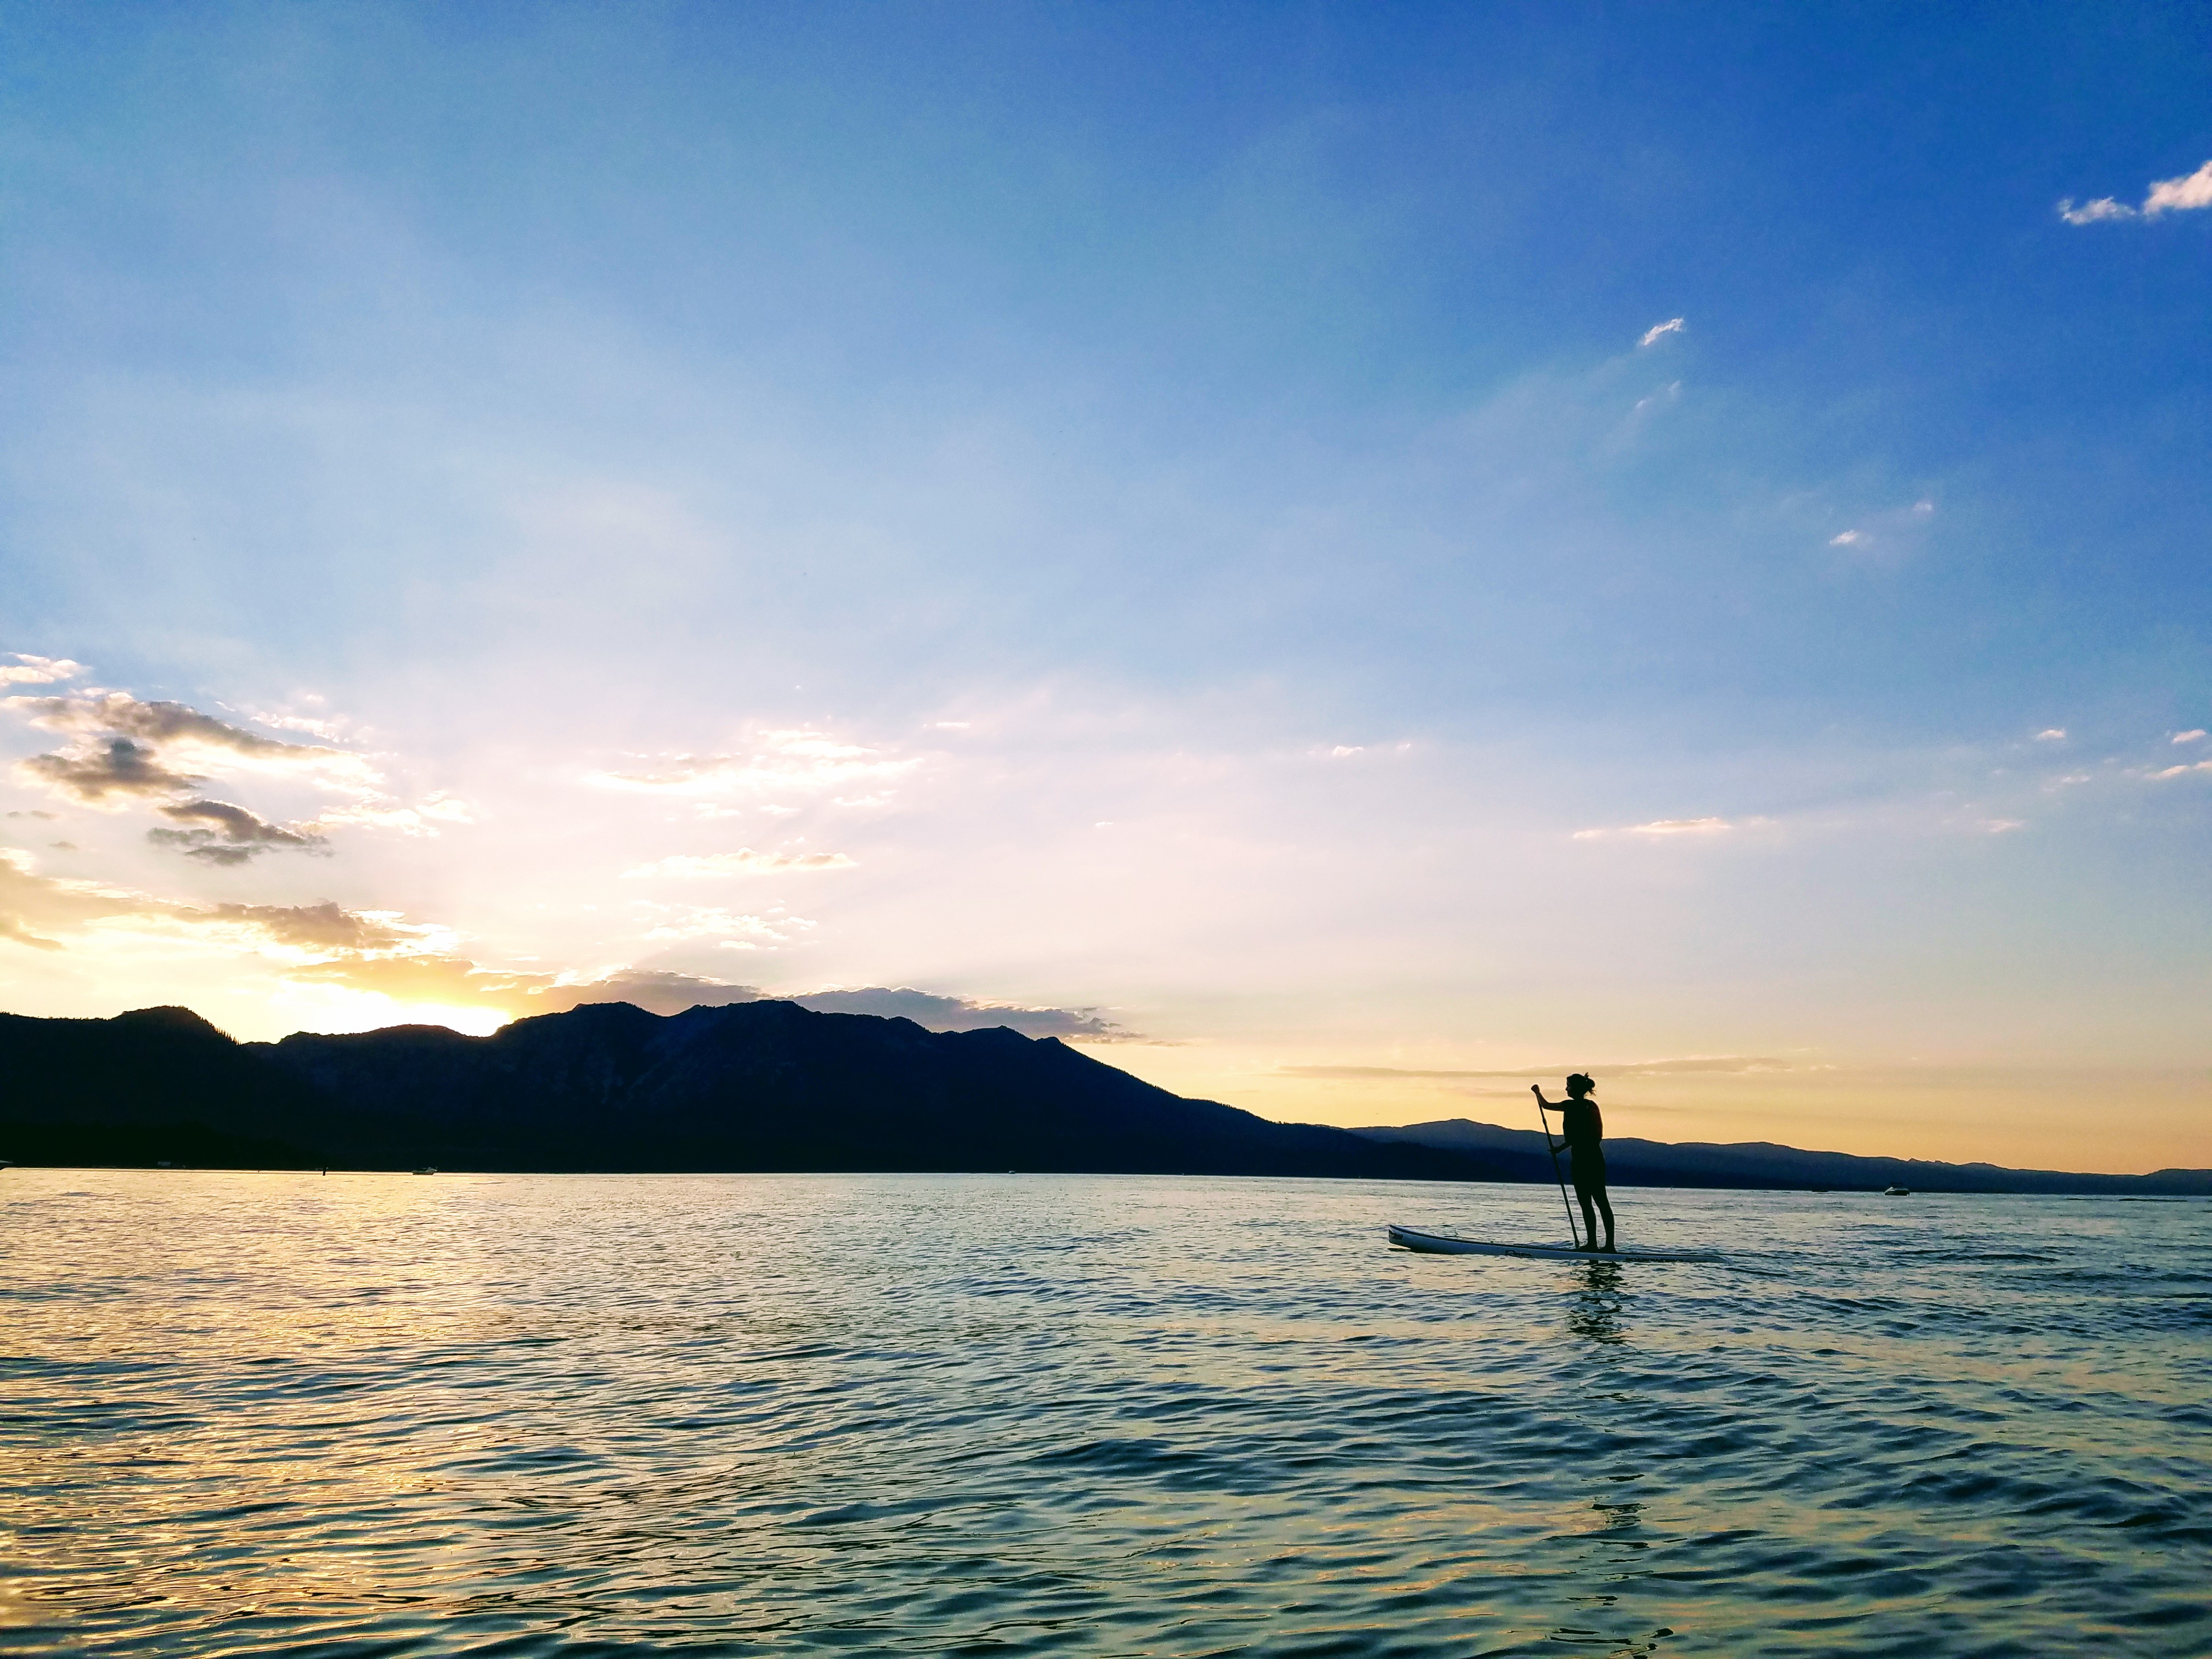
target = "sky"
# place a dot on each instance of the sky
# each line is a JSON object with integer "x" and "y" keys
{"x": 1346, "y": 557}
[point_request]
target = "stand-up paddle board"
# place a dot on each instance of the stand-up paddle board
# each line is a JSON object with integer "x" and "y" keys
{"x": 1444, "y": 1244}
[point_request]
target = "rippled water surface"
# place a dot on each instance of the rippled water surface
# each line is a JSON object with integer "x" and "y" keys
{"x": 458, "y": 1414}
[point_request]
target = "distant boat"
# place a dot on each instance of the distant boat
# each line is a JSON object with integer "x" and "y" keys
{"x": 1897, "y": 1192}
{"x": 428, "y": 1169}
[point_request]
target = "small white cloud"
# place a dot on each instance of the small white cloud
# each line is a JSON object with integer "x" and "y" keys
{"x": 2179, "y": 195}
{"x": 1653, "y": 335}
{"x": 38, "y": 670}
{"x": 1922, "y": 509}
{"x": 742, "y": 862}
{"x": 2172, "y": 195}
{"x": 2176, "y": 771}
{"x": 1343, "y": 749}
{"x": 2052, "y": 734}
{"x": 1662, "y": 827}
{"x": 1849, "y": 539}
{"x": 2197, "y": 736}
{"x": 2090, "y": 212}
{"x": 2002, "y": 826}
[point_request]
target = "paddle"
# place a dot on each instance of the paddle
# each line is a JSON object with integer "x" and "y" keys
{"x": 1545, "y": 1124}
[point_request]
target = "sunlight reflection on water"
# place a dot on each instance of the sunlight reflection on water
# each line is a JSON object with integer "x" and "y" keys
{"x": 361, "y": 1414}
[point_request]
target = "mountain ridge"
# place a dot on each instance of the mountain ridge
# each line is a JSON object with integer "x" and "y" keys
{"x": 755, "y": 1086}
{"x": 1767, "y": 1164}
{"x": 770, "y": 1086}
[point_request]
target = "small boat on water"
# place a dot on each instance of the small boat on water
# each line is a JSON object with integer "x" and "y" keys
{"x": 1409, "y": 1238}
{"x": 1897, "y": 1192}
{"x": 428, "y": 1169}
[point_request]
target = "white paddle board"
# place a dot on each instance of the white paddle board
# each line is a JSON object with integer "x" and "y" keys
{"x": 1444, "y": 1244}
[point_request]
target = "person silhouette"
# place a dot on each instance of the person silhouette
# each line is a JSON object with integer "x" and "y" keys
{"x": 1583, "y": 1132}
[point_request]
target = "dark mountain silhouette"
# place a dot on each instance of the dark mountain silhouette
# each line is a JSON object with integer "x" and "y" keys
{"x": 750, "y": 1086}
{"x": 765, "y": 1086}
{"x": 1631, "y": 1162}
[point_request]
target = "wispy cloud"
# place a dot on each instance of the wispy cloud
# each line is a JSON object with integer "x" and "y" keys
{"x": 742, "y": 862}
{"x": 1652, "y": 336}
{"x": 789, "y": 763}
{"x": 2181, "y": 771}
{"x": 2052, "y": 734}
{"x": 680, "y": 923}
{"x": 1663, "y": 828}
{"x": 950, "y": 1013}
{"x": 2179, "y": 195}
{"x": 2197, "y": 736}
{"x": 1896, "y": 528}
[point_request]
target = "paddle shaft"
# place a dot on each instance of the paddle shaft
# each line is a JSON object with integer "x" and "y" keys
{"x": 1545, "y": 1124}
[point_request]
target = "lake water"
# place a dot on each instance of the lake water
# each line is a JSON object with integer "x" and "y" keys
{"x": 630, "y": 1415}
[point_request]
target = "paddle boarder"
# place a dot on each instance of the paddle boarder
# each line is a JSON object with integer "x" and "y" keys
{"x": 1583, "y": 1133}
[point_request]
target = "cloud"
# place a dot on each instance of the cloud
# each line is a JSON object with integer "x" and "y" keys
{"x": 2178, "y": 195}
{"x": 124, "y": 751}
{"x": 90, "y": 773}
{"x": 1694, "y": 1064}
{"x": 2197, "y": 736}
{"x": 657, "y": 992}
{"x": 12, "y": 928}
{"x": 2090, "y": 212}
{"x": 742, "y": 862}
{"x": 943, "y": 1013}
{"x": 323, "y": 926}
{"x": 1894, "y": 531}
{"x": 236, "y": 836}
{"x": 1661, "y": 828}
{"x": 671, "y": 994}
{"x": 1653, "y": 335}
{"x": 2178, "y": 771}
{"x": 38, "y": 671}
{"x": 801, "y": 761}
{"x": 379, "y": 812}
{"x": 126, "y": 748}
{"x": 2052, "y": 734}
{"x": 675, "y": 923}
{"x": 164, "y": 724}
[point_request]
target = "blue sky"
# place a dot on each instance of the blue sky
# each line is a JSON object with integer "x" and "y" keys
{"x": 1201, "y": 510}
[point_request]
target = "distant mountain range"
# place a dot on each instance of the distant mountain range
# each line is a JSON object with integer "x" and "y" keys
{"x": 765, "y": 1086}
{"x": 1631, "y": 1162}
{"x": 750, "y": 1086}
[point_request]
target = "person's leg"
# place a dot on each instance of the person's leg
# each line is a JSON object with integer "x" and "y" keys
{"x": 1589, "y": 1240}
{"x": 1604, "y": 1208}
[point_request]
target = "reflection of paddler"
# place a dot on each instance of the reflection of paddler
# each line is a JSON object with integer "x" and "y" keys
{"x": 1583, "y": 1135}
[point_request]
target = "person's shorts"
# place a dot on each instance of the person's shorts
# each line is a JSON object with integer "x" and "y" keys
{"x": 1590, "y": 1170}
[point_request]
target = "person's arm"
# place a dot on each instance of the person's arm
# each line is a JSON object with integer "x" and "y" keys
{"x": 1544, "y": 1105}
